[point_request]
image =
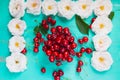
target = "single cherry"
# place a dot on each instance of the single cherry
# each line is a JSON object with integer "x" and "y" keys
{"x": 78, "y": 69}
{"x": 39, "y": 35}
{"x": 88, "y": 50}
{"x": 85, "y": 39}
{"x": 80, "y": 63}
{"x": 78, "y": 54}
{"x": 36, "y": 49}
{"x": 80, "y": 41}
{"x": 43, "y": 70}
{"x": 82, "y": 50}
{"x": 24, "y": 51}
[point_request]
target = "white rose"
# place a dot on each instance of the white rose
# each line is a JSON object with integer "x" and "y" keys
{"x": 17, "y": 8}
{"x": 65, "y": 9}
{"x": 34, "y": 7}
{"x": 49, "y": 7}
{"x": 102, "y": 25}
{"x": 16, "y": 44}
{"x": 16, "y": 62}
{"x": 17, "y": 26}
{"x": 101, "y": 42}
{"x": 102, "y": 7}
{"x": 84, "y": 8}
{"x": 101, "y": 61}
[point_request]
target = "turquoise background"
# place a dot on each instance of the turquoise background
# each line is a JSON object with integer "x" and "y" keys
{"x": 36, "y": 61}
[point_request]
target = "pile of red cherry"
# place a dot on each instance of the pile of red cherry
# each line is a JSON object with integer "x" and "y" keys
{"x": 60, "y": 45}
{"x": 58, "y": 74}
{"x": 37, "y": 40}
{"x": 45, "y": 23}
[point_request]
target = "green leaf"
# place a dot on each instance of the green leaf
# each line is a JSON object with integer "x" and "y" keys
{"x": 82, "y": 26}
{"x": 36, "y": 29}
{"x": 111, "y": 15}
{"x": 43, "y": 30}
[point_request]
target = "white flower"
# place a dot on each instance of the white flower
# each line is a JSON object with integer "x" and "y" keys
{"x": 65, "y": 8}
{"x": 17, "y": 8}
{"x": 102, "y": 25}
{"x": 17, "y": 26}
{"x": 84, "y": 8}
{"x": 16, "y": 44}
{"x": 16, "y": 62}
{"x": 34, "y": 7}
{"x": 101, "y": 42}
{"x": 49, "y": 7}
{"x": 102, "y": 7}
{"x": 101, "y": 61}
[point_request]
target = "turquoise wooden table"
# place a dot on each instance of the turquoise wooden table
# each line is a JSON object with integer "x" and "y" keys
{"x": 36, "y": 61}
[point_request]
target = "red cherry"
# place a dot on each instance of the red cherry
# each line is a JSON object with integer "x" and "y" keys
{"x": 60, "y": 72}
{"x": 52, "y": 48}
{"x": 39, "y": 35}
{"x": 54, "y": 73}
{"x": 69, "y": 59}
{"x": 82, "y": 50}
{"x": 72, "y": 52}
{"x": 36, "y": 44}
{"x": 59, "y": 28}
{"x": 60, "y": 56}
{"x": 58, "y": 39}
{"x": 56, "y": 47}
{"x": 36, "y": 49}
{"x": 93, "y": 19}
{"x": 36, "y": 39}
{"x": 48, "y": 52}
{"x": 80, "y": 41}
{"x": 53, "y": 30}
{"x": 78, "y": 54}
{"x": 55, "y": 53}
{"x": 90, "y": 26}
{"x": 57, "y": 78}
{"x": 80, "y": 63}
{"x": 78, "y": 69}
{"x": 44, "y": 22}
{"x": 43, "y": 70}
{"x": 46, "y": 26}
{"x": 49, "y": 19}
{"x": 88, "y": 50}
{"x": 66, "y": 54}
{"x": 44, "y": 48}
{"x": 85, "y": 39}
{"x": 49, "y": 43}
{"x": 41, "y": 40}
{"x": 58, "y": 63}
{"x": 65, "y": 42}
{"x": 24, "y": 51}
{"x": 73, "y": 45}
{"x": 53, "y": 22}
{"x": 62, "y": 50}
{"x": 51, "y": 58}
{"x": 71, "y": 39}
{"x": 49, "y": 36}
{"x": 66, "y": 30}
{"x": 68, "y": 47}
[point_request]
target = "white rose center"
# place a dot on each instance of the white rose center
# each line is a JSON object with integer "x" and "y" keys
{"x": 17, "y": 26}
{"x": 101, "y": 26}
{"x": 102, "y": 8}
{"x": 84, "y": 6}
{"x": 34, "y": 4}
{"x": 50, "y": 7}
{"x": 17, "y": 44}
{"x": 101, "y": 59}
{"x": 68, "y": 8}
